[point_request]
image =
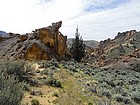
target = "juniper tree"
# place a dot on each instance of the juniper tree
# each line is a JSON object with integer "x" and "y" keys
{"x": 77, "y": 48}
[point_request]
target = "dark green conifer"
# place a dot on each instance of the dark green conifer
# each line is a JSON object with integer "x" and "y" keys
{"x": 78, "y": 47}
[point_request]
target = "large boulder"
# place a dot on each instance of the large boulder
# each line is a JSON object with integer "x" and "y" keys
{"x": 53, "y": 39}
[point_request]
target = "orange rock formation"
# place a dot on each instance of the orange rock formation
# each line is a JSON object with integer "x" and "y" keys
{"x": 43, "y": 43}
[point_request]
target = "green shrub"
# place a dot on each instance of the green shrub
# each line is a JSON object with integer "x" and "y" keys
{"x": 127, "y": 100}
{"x": 35, "y": 102}
{"x": 119, "y": 98}
{"x": 36, "y": 92}
{"x": 46, "y": 64}
{"x": 105, "y": 102}
{"x": 53, "y": 82}
{"x": 124, "y": 93}
{"x": 26, "y": 86}
{"x": 90, "y": 103}
{"x": 13, "y": 67}
{"x": 136, "y": 97}
{"x": 118, "y": 90}
{"x": 11, "y": 90}
{"x": 54, "y": 62}
{"x": 107, "y": 93}
{"x": 16, "y": 68}
{"x": 124, "y": 84}
{"x": 45, "y": 72}
{"x": 135, "y": 65}
{"x": 33, "y": 82}
{"x": 134, "y": 81}
{"x": 110, "y": 82}
{"x": 119, "y": 82}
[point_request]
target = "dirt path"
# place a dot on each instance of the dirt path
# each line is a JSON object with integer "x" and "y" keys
{"x": 47, "y": 92}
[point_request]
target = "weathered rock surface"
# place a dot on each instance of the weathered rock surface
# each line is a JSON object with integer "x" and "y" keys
{"x": 43, "y": 43}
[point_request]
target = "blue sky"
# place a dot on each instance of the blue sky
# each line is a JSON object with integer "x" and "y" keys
{"x": 97, "y": 19}
{"x": 109, "y": 4}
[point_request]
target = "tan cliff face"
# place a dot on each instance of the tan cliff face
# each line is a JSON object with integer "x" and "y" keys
{"x": 61, "y": 45}
{"x": 35, "y": 52}
{"x": 53, "y": 39}
{"x": 43, "y": 43}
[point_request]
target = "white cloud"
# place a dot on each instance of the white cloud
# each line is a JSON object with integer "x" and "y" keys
{"x": 95, "y": 18}
{"x": 107, "y": 23}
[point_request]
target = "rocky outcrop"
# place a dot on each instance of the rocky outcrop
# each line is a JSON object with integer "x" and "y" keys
{"x": 112, "y": 50}
{"x": 22, "y": 38}
{"x": 52, "y": 38}
{"x": 127, "y": 33}
{"x": 104, "y": 43}
{"x": 43, "y": 43}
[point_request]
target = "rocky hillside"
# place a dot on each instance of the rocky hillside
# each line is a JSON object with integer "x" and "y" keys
{"x": 111, "y": 50}
{"x": 43, "y": 43}
{"x": 71, "y": 83}
{"x": 111, "y": 76}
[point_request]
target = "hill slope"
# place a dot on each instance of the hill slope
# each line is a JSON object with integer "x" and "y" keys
{"x": 78, "y": 87}
{"x": 3, "y": 33}
{"x": 111, "y": 50}
{"x": 112, "y": 77}
{"x": 88, "y": 43}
